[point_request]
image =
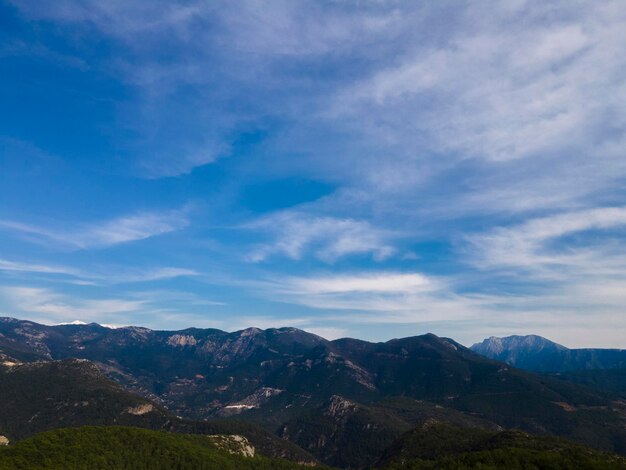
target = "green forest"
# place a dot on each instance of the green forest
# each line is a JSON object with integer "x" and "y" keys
{"x": 116, "y": 447}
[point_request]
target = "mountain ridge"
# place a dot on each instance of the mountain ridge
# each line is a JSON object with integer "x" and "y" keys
{"x": 538, "y": 354}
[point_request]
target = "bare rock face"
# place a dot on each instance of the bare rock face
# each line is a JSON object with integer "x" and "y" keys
{"x": 137, "y": 333}
{"x": 181, "y": 340}
{"x": 254, "y": 400}
{"x": 339, "y": 407}
{"x": 234, "y": 444}
{"x": 8, "y": 361}
{"x": 240, "y": 347}
{"x": 140, "y": 409}
{"x": 4, "y": 441}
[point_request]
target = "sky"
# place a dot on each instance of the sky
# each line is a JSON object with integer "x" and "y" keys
{"x": 373, "y": 169}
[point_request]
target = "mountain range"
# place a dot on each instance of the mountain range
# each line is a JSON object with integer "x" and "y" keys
{"x": 539, "y": 354}
{"x": 291, "y": 393}
{"x": 601, "y": 369}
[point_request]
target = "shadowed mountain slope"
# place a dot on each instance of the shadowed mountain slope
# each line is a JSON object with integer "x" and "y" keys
{"x": 41, "y": 396}
{"x": 441, "y": 446}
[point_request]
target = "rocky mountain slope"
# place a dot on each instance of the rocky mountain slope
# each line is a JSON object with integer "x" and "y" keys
{"x": 45, "y": 395}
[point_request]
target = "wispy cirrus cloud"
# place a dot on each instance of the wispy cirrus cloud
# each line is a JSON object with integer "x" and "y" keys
{"x": 521, "y": 118}
{"x": 545, "y": 244}
{"x": 158, "y": 308}
{"x": 559, "y": 310}
{"x": 369, "y": 282}
{"x": 504, "y": 91}
{"x": 55, "y": 307}
{"x": 104, "y": 275}
{"x": 327, "y": 238}
{"x": 139, "y": 226}
{"x": 7, "y": 265}
{"x": 390, "y": 297}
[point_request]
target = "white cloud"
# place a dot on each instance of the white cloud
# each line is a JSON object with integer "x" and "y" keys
{"x": 369, "y": 282}
{"x": 503, "y": 92}
{"x": 57, "y": 307}
{"x": 167, "y": 164}
{"x": 109, "y": 275}
{"x": 380, "y": 297}
{"x": 168, "y": 296}
{"x": 150, "y": 308}
{"x": 130, "y": 228}
{"x": 560, "y": 309}
{"x": 530, "y": 245}
{"x": 124, "y": 229}
{"x": 568, "y": 271}
{"x": 148, "y": 275}
{"x": 328, "y": 238}
{"x": 6, "y": 265}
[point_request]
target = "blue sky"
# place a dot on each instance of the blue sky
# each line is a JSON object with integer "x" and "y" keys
{"x": 370, "y": 169}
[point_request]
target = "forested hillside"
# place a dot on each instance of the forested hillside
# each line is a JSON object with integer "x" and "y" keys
{"x": 115, "y": 447}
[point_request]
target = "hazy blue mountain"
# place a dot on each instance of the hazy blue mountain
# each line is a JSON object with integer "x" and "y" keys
{"x": 542, "y": 355}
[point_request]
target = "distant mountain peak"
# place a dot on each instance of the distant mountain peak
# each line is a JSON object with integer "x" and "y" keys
{"x": 252, "y": 331}
{"x": 533, "y": 352}
{"x": 530, "y": 343}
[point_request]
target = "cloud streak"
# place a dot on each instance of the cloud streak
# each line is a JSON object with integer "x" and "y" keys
{"x": 381, "y": 297}
{"x": 533, "y": 245}
{"x": 370, "y": 282}
{"x": 55, "y": 307}
{"x": 117, "y": 275}
{"x": 328, "y": 238}
{"x": 139, "y": 226}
